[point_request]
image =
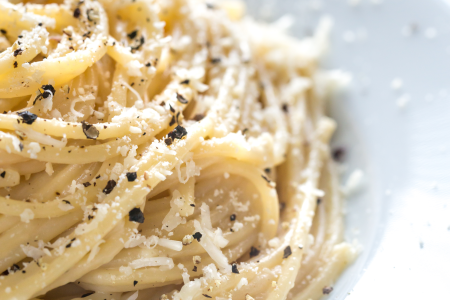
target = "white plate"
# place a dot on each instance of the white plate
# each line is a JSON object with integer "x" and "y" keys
{"x": 402, "y": 216}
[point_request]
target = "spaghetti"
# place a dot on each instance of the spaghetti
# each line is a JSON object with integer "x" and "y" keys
{"x": 163, "y": 150}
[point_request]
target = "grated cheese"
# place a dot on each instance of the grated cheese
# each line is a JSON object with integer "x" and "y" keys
{"x": 134, "y": 240}
{"x": 190, "y": 169}
{"x": 241, "y": 283}
{"x": 33, "y": 149}
{"x": 237, "y": 226}
{"x": 35, "y": 252}
{"x": 173, "y": 218}
{"x": 170, "y": 244}
{"x": 189, "y": 291}
{"x": 134, "y": 68}
{"x": 49, "y": 168}
{"x": 27, "y": 215}
{"x": 213, "y": 250}
{"x": 152, "y": 262}
{"x": 100, "y": 214}
{"x": 64, "y": 206}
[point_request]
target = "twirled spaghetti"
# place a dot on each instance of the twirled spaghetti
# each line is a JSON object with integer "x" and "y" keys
{"x": 163, "y": 149}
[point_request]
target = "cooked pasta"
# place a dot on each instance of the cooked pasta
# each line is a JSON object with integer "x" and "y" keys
{"x": 163, "y": 149}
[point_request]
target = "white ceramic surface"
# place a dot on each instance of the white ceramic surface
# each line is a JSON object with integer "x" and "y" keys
{"x": 402, "y": 215}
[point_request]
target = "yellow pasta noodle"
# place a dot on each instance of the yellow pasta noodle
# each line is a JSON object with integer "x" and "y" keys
{"x": 163, "y": 149}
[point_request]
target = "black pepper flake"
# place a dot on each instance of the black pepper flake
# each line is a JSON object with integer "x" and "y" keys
{"x": 181, "y": 99}
{"x": 192, "y": 204}
{"x": 136, "y": 215}
{"x": 287, "y": 252}
{"x": 109, "y": 187}
{"x": 171, "y": 108}
{"x": 327, "y": 290}
{"x": 172, "y": 121}
{"x": 210, "y": 5}
{"x": 135, "y": 282}
{"x": 3, "y": 174}
{"x": 254, "y": 252}
{"x": 89, "y": 130}
{"x": 131, "y": 176}
{"x": 139, "y": 45}
{"x": 20, "y": 147}
{"x": 86, "y": 184}
{"x": 27, "y": 117}
{"x": 14, "y": 268}
{"x": 207, "y": 296}
{"x": 234, "y": 269}
{"x": 285, "y": 108}
{"x": 216, "y": 60}
{"x": 66, "y": 201}
{"x": 17, "y": 52}
{"x": 197, "y": 236}
{"x": 3, "y": 31}
{"x": 76, "y": 13}
{"x": 168, "y": 141}
{"x": 198, "y": 117}
{"x": 186, "y": 81}
{"x": 15, "y": 64}
{"x": 338, "y": 154}
{"x": 48, "y": 88}
{"x": 178, "y": 133}
{"x": 132, "y": 34}
{"x": 267, "y": 170}
{"x": 194, "y": 269}
{"x": 148, "y": 65}
{"x": 319, "y": 200}
{"x": 233, "y": 217}
{"x": 265, "y": 178}
{"x": 87, "y": 294}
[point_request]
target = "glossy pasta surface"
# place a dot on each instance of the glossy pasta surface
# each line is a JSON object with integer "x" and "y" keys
{"x": 166, "y": 149}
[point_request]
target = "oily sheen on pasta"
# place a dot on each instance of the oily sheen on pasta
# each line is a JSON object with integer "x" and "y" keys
{"x": 163, "y": 149}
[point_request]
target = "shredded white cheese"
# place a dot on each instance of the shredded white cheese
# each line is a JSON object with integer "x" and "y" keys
{"x": 152, "y": 262}
{"x": 173, "y": 218}
{"x": 170, "y": 244}
{"x": 27, "y": 215}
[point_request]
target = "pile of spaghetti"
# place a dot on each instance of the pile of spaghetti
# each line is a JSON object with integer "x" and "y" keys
{"x": 163, "y": 149}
